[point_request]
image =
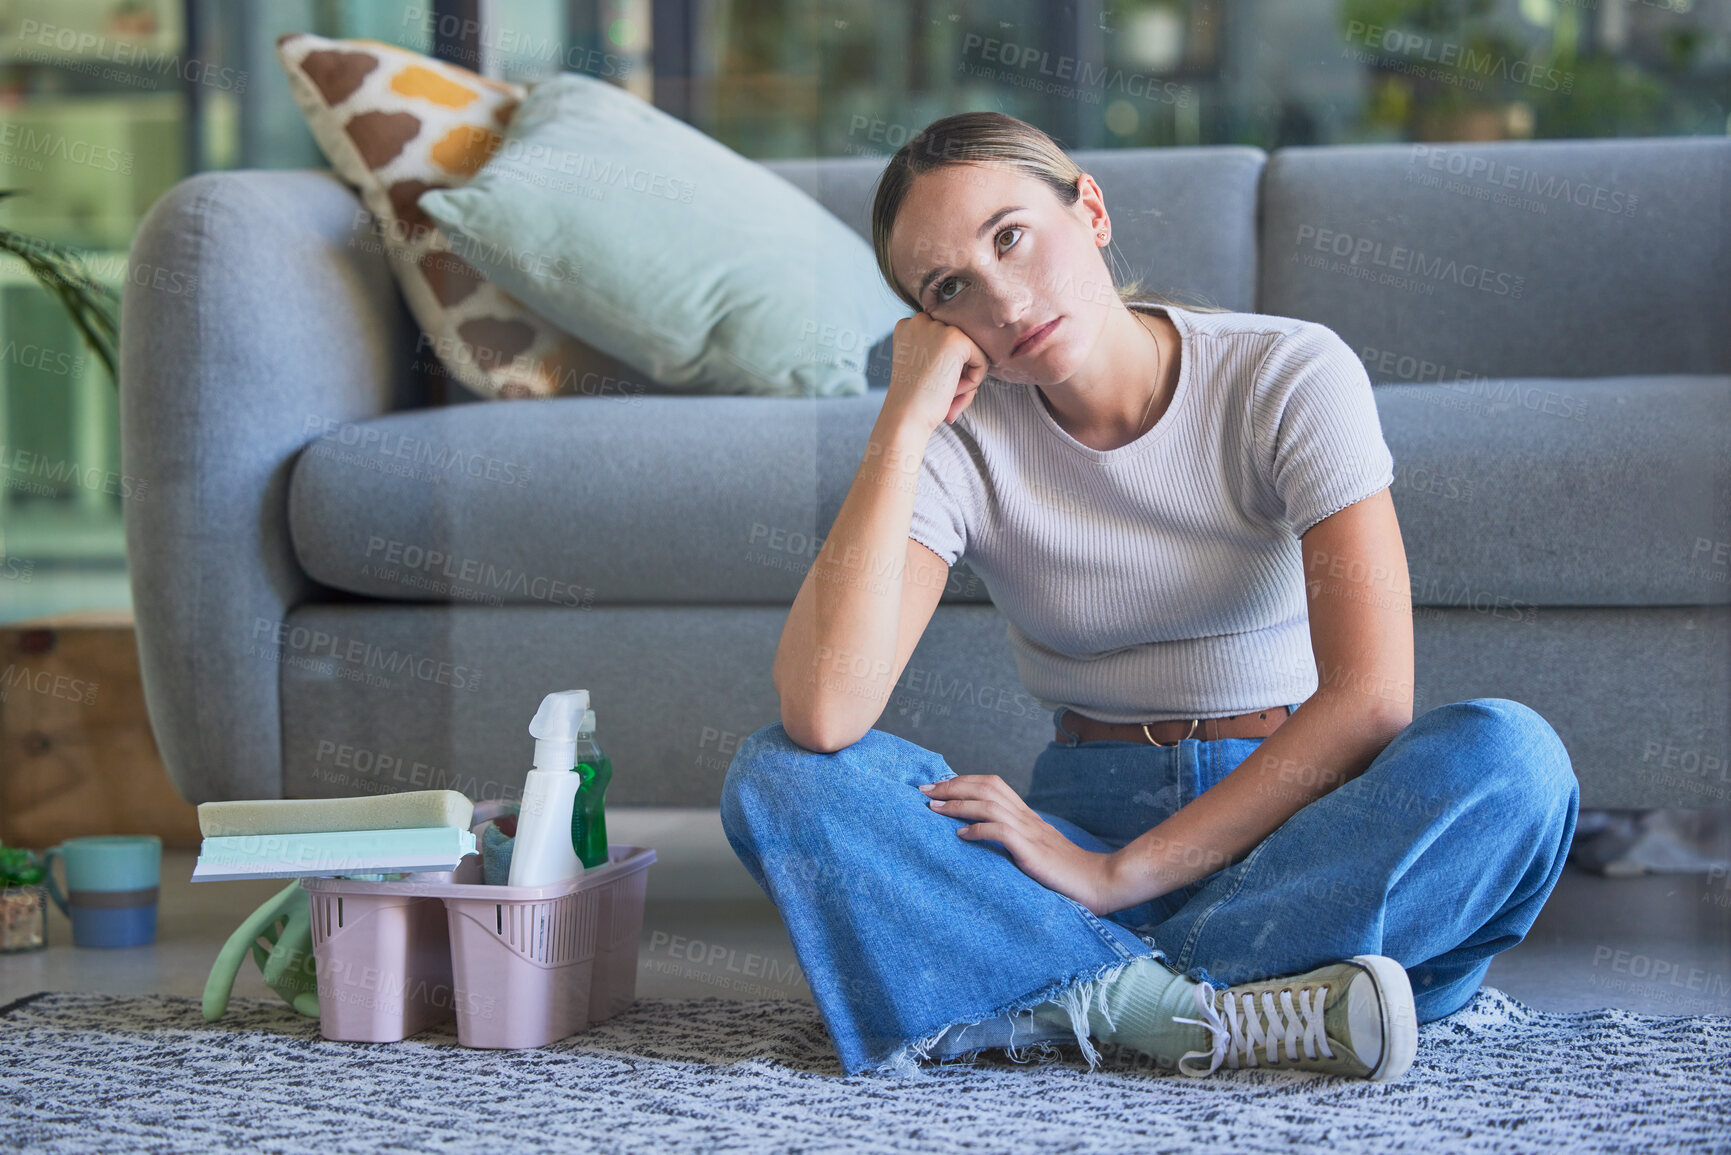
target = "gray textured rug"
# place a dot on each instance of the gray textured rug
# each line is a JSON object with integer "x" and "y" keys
{"x": 96, "y": 1073}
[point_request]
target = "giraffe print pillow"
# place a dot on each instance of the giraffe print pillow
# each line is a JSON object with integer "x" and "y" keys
{"x": 393, "y": 124}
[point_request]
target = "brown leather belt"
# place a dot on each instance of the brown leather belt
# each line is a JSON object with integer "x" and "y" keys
{"x": 1259, "y": 724}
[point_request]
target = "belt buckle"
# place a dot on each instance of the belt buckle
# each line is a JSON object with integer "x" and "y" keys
{"x": 1169, "y": 745}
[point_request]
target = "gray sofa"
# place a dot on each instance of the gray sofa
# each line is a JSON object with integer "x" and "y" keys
{"x": 341, "y": 589}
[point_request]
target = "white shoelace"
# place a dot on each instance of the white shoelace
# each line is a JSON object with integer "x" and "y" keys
{"x": 1233, "y": 1037}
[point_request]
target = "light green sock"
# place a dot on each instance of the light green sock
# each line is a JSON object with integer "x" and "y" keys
{"x": 1136, "y": 1009}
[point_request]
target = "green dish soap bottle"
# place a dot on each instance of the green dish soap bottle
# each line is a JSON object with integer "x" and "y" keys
{"x": 589, "y": 814}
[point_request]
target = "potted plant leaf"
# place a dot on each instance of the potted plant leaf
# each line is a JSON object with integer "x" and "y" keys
{"x": 23, "y": 901}
{"x": 92, "y": 306}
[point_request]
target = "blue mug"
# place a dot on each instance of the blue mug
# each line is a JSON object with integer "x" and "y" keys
{"x": 111, "y": 887}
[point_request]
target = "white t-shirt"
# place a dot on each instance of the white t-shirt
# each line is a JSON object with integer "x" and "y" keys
{"x": 1163, "y": 579}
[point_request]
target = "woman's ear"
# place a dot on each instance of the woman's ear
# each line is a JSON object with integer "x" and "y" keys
{"x": 1091, "y": 203}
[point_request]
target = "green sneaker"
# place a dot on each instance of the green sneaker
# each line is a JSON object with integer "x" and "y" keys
{"x": 1354, "y": 1019}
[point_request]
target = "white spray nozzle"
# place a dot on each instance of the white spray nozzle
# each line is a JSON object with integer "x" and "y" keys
{"x": 555, "y": 727}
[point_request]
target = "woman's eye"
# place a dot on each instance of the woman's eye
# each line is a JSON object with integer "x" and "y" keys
{"x": 938, "y": 289}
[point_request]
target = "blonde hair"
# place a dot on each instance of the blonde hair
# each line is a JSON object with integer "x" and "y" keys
{"x": 984, "y": 138}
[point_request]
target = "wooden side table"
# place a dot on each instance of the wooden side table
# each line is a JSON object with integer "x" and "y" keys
{"x": 76, "y": 753}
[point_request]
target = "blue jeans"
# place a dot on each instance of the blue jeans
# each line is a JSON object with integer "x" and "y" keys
{"x": 918, "y": 944}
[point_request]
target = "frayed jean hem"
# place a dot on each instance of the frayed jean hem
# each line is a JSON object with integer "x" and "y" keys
{"x": 1077, "y": 995}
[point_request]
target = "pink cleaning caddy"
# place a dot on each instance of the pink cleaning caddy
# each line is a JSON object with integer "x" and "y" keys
{"x": 516, "y": 966}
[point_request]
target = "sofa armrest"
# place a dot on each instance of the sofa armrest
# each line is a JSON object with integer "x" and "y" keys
{"x": 258, "y": 308}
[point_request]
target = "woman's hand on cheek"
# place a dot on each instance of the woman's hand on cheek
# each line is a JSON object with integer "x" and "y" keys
{"x": 996, "y": 813}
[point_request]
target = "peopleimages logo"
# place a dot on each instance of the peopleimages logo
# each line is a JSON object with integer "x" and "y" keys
{"x": 1066, "y": 76}
{"x": 308, "y": 647}
{"x": 52, "y": 42}
{"x": 441, "y": 460}
{"x": 19, "y": 468}
{"x": 598, "y": 170}
{"x": 497, "y": 36}
{"x": 45, "y": 682}
{"x": 1473, "y": 170}
{"x": 42, "y": 358}
{"x": 1369, "y": 252}
{"x": 1461, "y": 58}
{"x": 422, "y": 568}
{"x": 23, "y": 144}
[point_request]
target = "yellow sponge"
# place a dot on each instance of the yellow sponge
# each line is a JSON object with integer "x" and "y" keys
{"x": 408, "y": 810}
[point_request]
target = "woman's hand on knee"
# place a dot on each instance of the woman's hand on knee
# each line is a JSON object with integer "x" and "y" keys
{"x": 996, "y": 813}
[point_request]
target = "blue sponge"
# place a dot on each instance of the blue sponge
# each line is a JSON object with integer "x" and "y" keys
{"x": 496, "y": 849}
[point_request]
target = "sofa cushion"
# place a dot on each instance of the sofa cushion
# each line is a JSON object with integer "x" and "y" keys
{"x": 582, "y": 501}
{"x": 1508, "y": 259}
{"x": 394, "y": 123}
{"x": 1522, "y": 492}
{"x": 1511, "y": 494}
{"x": 665, "y": 248}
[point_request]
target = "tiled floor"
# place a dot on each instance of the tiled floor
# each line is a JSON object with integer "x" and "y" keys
{"x": 1659, "y": 944}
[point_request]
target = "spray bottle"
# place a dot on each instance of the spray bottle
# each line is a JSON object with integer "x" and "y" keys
{"x": 543, "y": 853}
{"x": 589, "y": 819}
